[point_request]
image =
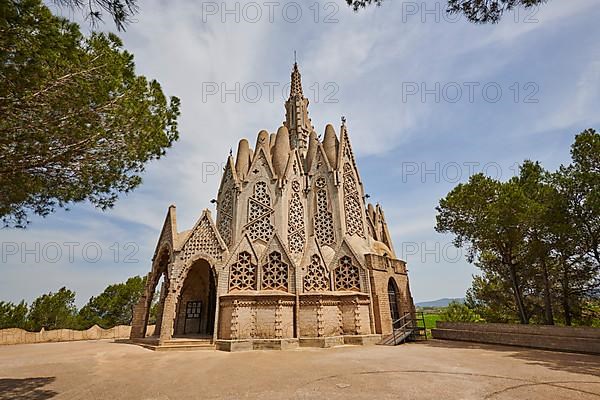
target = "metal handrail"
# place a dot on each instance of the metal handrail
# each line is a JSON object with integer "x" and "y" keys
{"x": 407, "y": 324}
{"x": 402, "y": 327}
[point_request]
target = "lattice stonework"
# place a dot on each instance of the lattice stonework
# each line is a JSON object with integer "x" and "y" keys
{"x": 316, "y": 278}
{"x": 296, "y": 231}
{"x": 260, "y": 213}
{"x": 243, "y": 273}
{"x": 226, "y": 216}
{"x": 275, "y": 273}
{"x": 347, "y": 276}
{"x": 352, "y": 208}
{"x": 323, "y": 217}
{"x": 204, "y": 241}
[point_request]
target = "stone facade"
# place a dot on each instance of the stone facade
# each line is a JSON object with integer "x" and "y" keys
{"x": 295, "y": 253}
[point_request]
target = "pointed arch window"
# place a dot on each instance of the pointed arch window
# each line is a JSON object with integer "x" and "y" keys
{"x": 347, "y": 275}
{"x": 352, "y": 206}
{"x": 317, "y": 277}
{"x": 275, "y": 273}
{"x": 260, "y": 224}
{"x": 296, "y": 231}
{"x": 323, "y": 217}
{"x": 243, "y": 273}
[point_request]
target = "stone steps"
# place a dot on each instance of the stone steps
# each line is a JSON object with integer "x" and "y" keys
{"x": 176, "y": 344}
{"x": 180, "y": 347}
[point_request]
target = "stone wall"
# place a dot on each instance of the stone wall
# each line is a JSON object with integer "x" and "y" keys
{"x": 560, "y": 338}
{"x": 381, "y": 270}
{"x": 251, "y": 316}
{"x": 20, "y": 336}
{"x": 334, "y": 314}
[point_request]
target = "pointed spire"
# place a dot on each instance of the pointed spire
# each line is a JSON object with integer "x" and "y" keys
{"x": 242, "y": 163}
{"x": 296, "y": 82}
{"x": 297, "y": 121}
{"x": 262, "y": 140}
{"x": 331, "y": 145}
{"x": 313, "y": 144}
{"x": 281, "y": 151}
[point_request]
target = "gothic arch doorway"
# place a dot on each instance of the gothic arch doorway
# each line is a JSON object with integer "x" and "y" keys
{"x": 159, "y": 287}
{"x": 197, "y": 301}
{"x": 393, "y": 297}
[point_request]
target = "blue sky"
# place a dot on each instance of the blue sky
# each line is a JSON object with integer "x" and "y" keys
{"x": 420, "y": 92}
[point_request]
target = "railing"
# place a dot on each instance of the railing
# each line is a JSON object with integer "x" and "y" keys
{"x": 419, "y": 330}
{"x": 407, "y": 327}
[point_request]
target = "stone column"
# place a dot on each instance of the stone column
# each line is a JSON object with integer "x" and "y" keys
{"x": 138, "y": 322}
{"x": 161, "y": 304}
{"x": 168, "y": 316}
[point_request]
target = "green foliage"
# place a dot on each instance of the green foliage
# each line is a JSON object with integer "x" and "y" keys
{"x": 114, "y": 306}
{"x": 459, "y": 312}
{"x": 358, "y": 4}
{"x": 483, "y": 214}
{"x": 590, "y": 315}
{"x": 53, "y": 311}
{"x": 536, "y": 238}
{"x": 121, "y": 11}
{"x": 486, "y": 11}
{"x": 478, "y": 11}
{"x": 77, "y": 123}
{"x": 13, "y": 315}
{"x": 490, "y": 297}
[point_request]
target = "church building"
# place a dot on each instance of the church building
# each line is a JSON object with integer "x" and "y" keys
{"x": 294, "y": 257}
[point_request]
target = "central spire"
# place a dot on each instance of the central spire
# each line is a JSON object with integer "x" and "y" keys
{"x": 296, "y": 82}
{"x": 297, "y": 120}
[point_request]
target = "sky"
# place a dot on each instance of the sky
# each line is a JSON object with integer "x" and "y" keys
{"x": 429, "y": 100}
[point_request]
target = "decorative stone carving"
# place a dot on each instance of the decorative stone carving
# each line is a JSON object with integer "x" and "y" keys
{"x": 352, "y": 207}
{"x": 317, "y": 277}
{"x": 323, "y": 217}
{"x": 347, "y": 276}
{"x": 296, "y": 230}
{"x": 203, "y": 240}
{"x": 226, "y": 216}
{"x": 243, "y": 273}
{"x": 260, "y": 213}
{"x": 275, "y": 273}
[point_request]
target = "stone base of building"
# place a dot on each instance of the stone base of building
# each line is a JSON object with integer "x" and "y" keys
{"x": 256, "y": 344}
{"x": 178, "y": 344}
{"x": 331, "y": 341}
{"x": 362, "y": 340}
{"x": 290, "y": 344}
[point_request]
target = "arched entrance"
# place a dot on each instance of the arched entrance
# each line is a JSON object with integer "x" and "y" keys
{"x": 197, "y": 302}
{"x": 159, "y": 286}
{"x": 393, "y": 297}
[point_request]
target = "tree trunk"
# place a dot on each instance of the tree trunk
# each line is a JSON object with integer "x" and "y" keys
{"x": 518, "y": 295}
{"x": 549, "y": 315}
{"x": 565, "y": 294}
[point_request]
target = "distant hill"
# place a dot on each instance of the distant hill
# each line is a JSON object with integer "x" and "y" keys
{"x": 439, "y": 302}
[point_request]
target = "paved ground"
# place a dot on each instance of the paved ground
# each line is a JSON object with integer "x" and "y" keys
{"x": 432, "y": 370}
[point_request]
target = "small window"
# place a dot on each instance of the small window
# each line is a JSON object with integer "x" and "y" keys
{"x": 193, "y": 309}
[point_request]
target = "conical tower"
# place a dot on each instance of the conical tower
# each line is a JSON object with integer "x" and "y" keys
{"x": 297, "y": 120}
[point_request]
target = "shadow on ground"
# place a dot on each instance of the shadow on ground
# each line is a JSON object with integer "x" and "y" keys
{"x": 26, "y": 388}
{"x": 571, "y": 362}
